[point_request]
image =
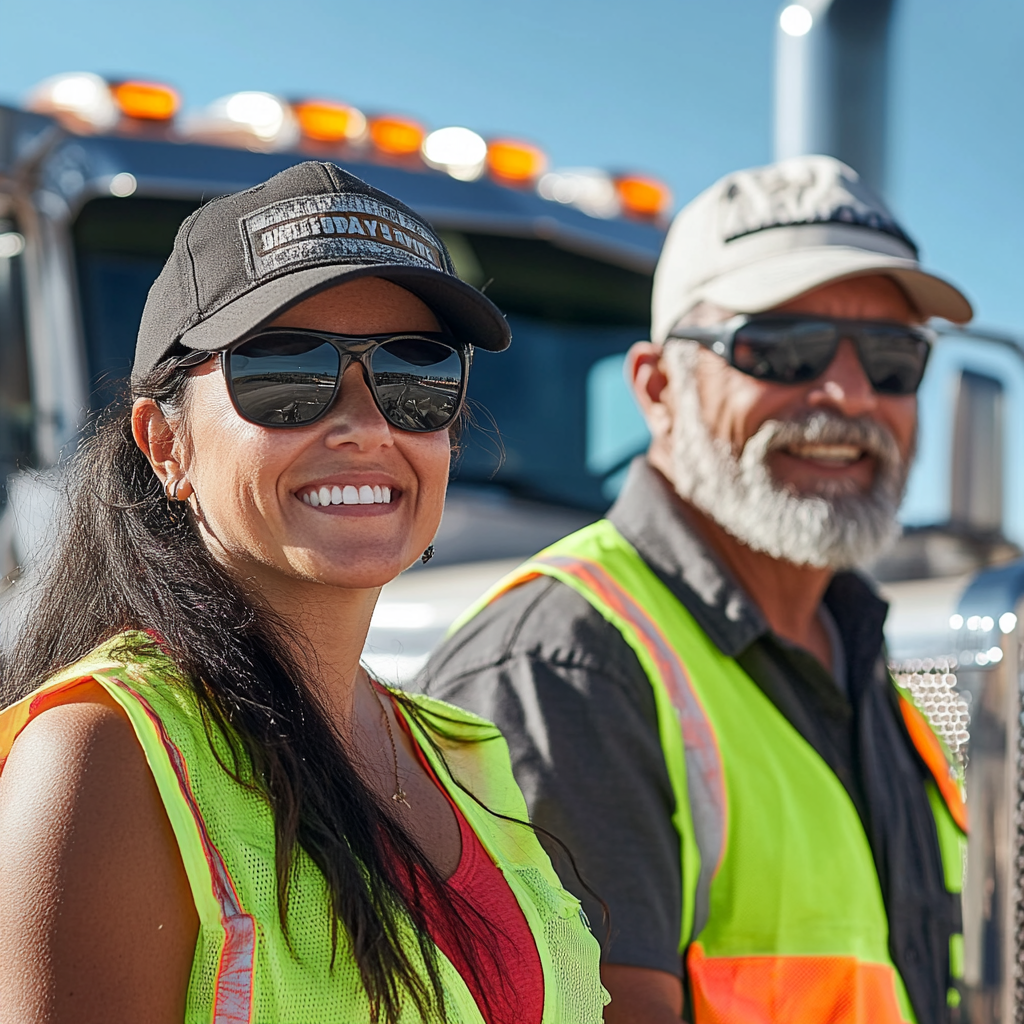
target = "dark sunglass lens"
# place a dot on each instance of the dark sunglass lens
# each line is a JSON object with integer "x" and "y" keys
{"x": 418, "y": 382}
{"x": 282, "y": 380}
{"x": 893, "y": 359}
{"x": 784, "y": 351}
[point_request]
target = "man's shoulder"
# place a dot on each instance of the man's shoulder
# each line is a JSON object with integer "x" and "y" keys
{"x": 541, "y": 620}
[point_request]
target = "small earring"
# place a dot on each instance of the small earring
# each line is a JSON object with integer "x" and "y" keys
{"x": 427, "y": 555}
{"x": 171, "y": 490}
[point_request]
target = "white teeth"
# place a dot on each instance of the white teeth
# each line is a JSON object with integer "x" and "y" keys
{"x": 828, "y": 452}
{"x": 348, "y": 495}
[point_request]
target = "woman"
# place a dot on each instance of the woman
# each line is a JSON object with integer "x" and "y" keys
{"x": 208, "y": 810}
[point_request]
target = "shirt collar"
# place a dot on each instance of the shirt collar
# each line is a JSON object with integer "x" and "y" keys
{"x": 651, "y": 516}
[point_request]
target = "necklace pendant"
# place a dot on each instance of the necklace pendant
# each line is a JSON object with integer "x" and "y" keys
{"x": 400, "y": 798}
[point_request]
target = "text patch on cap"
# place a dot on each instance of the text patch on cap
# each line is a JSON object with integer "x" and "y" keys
{"x": 808, "y": 191}
{"x": 338, "y": 228}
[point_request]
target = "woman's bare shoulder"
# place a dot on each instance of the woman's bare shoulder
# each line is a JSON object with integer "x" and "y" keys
{"x": 69, "y": 754}
{"x": 93, "y": 891}
{"x": 75, "y": 717}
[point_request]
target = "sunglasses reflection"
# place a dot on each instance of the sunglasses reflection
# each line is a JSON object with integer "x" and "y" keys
{"x": 408, "y": 401}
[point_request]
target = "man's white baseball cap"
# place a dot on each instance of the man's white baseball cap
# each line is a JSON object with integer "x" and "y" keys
{"x": 760, "y": 237}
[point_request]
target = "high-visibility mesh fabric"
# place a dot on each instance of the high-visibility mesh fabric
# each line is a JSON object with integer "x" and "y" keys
{"x": 569, "y": 943}
{"x": 244, "y": 972}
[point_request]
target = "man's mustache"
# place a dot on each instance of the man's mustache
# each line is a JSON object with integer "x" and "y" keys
{"x": 831, "y": 428}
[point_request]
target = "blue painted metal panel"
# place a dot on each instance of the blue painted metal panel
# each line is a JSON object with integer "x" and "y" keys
{"x": 994, "y": 591}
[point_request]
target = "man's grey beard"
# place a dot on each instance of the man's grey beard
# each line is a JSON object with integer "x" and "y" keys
{"x": 838, "y": 527}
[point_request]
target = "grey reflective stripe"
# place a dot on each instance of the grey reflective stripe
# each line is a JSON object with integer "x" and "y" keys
{"x": 705, "y": 782}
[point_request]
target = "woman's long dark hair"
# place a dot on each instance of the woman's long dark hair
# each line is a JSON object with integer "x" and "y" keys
{"x": 128, "y": 559}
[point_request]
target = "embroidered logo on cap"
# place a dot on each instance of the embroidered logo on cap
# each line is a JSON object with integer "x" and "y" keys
{"x": 338, "y": 228}
{"x": 805, "y": 191}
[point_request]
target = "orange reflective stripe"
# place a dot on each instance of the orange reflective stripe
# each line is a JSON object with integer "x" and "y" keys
{"x": 791, "y": 990}
{"x": 19, "y": 715}
{"x": 48, "y": 698}
{"x": 232, "y": 1002}
{"x": 698, "y": 736}
{"x": 511, "y": 583}
{"x": 930, "y": 749}
{"x": 705, "y": 777}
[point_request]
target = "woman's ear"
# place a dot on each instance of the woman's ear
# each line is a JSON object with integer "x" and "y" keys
{"x": 159, "y": 442}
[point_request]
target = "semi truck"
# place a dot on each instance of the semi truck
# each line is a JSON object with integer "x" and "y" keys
{"x": 95, "y": 177}
{"x": 97, "y": 174}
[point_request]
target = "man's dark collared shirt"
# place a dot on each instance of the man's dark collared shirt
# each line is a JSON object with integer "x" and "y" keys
{"x": 578, "y": 712}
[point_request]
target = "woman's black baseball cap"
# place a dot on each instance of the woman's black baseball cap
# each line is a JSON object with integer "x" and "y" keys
{"x": 240, "y": 260}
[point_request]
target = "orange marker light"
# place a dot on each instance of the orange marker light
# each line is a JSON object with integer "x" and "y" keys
{"x": 513, "y": 161}
{"x": 643, "y": 196}
{"x": 328, "y": 121}
{"x": 399, "y": 136}
{"x": 147, "y": 101}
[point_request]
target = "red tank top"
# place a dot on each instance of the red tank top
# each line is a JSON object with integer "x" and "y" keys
{"x": 515, "y": 995}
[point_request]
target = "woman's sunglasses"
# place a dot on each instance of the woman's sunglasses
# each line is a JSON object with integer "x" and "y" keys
{"x": 290, "y": 377}
{"x": 796, "y": 349}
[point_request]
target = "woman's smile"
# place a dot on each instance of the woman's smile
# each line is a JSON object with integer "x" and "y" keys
{"x": 351, "y": 496}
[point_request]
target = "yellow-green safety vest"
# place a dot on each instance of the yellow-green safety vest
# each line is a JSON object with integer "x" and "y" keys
{"x": 244, "y": 970}
{"x": 783, "y": 919}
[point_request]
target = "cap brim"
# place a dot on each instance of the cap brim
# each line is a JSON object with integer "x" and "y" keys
{"x": 467, "y": 313}
{"x": 772, "y": 281}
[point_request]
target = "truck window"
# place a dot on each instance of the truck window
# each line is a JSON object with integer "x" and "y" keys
{"x": 120, "y": 246}
{"x": 568, "y": 313}
{"x": 616, "y": 431}
{"x": 16, "y": 448}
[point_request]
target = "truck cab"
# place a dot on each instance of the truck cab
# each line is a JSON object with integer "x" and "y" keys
{"x": 92, "y": 194}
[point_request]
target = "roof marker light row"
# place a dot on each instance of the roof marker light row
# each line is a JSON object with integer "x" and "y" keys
{"x": 86, "y": 103}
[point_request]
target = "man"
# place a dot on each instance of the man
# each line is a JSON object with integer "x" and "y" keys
{"x": 694, "y": 690}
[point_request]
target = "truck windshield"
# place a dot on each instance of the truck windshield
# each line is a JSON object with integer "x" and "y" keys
{"x": 549, "y": 419}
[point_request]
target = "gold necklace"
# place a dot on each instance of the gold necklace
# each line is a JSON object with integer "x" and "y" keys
{"x": 399, "y": 795}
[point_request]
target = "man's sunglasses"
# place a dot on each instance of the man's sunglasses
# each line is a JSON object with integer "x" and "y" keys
{"x": 791, "y": 349}
{"x": 290, "y": 377}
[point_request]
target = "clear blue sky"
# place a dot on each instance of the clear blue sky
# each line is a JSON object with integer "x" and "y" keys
{"x": 681, "y": 88}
